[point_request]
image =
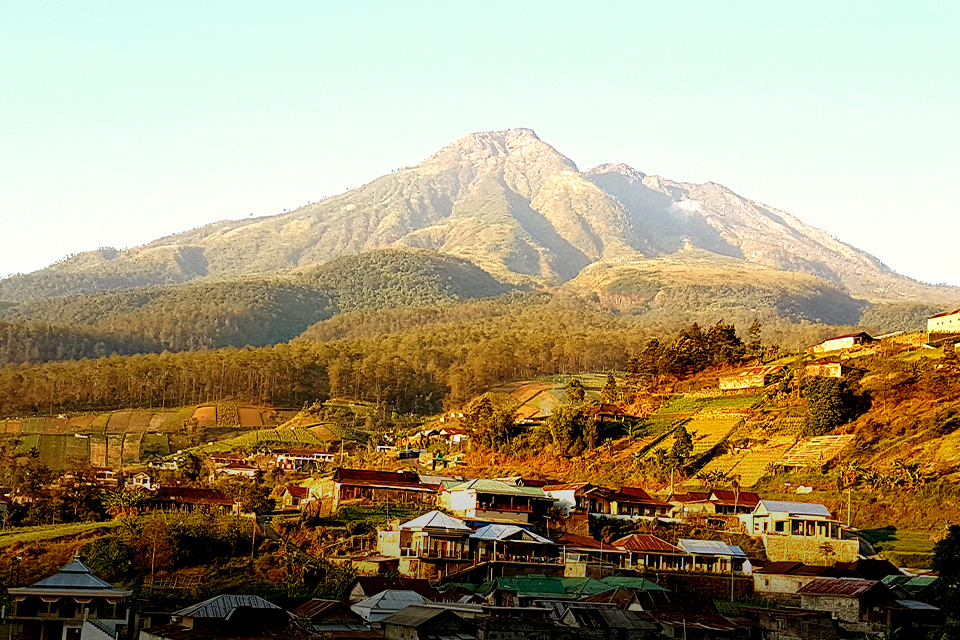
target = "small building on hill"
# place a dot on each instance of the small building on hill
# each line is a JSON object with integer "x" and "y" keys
{"x": 495, "y": 501}
{"x": 946, "y": 322}
{"x": 429, "y": 546}
{"x": 304, "y": 460}
{"x": 827, "y": 368}
{"x": 364, "y": 485}
{"x": 800, "y": 532}
{"x": 844, "y": 342}
{"x": 625, "y": 502}
{"x": 750, "y": 378}
{"x": 294, "y": 497}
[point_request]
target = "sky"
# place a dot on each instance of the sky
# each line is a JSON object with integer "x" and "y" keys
{"x": 124, "y": 122}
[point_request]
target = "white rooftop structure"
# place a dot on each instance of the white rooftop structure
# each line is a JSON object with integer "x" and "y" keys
{"x": 710, "y": 548}
{"x": 386, "y": 603}
{"x": 511, "y": 532}
{"x": 794, "y": 508}
{"x": 437, "y": 520}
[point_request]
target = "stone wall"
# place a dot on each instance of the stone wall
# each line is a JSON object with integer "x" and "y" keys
{"x": 816, "y": 551}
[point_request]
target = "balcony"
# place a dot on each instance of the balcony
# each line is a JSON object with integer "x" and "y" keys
{"x": 515, "y": 508}
{"x": 434, "y": 554}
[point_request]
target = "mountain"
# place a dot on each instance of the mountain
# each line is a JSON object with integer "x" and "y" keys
{"x": 506, "y": 201}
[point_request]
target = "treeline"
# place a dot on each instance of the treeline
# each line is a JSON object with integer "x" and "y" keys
{"x": 409, "y": 371}
{"x": 35, "y": 342}
{"x": 252, "y": 311}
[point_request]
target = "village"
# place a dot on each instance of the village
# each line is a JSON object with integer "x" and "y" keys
{"x": 545, "y": 557}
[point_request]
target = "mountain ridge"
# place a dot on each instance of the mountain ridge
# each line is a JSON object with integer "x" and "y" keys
{"x": 506, "y": 201}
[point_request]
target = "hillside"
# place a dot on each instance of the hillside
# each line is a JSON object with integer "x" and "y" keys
{"x": 255, "y": 311}
{"x": 706, "y": 285}
{"x": 508, "y": 202}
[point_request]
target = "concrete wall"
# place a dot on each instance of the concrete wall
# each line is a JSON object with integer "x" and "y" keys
{"x": 816, "y": 550}
{"x": 779, "y": 586}
{"x": 946, "y": 324}
{"x": 844, "y": 609}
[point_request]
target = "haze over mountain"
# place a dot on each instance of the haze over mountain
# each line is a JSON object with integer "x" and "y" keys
{"x": 510, "y": 203}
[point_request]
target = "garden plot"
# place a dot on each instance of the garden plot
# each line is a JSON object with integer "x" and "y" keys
{"x": 205, "y": 416}
{"x": 157, "y": 420}
{"x": 114, "y": 451}
{"x": 53, "y": 451}
{"x": 751, "y": 463}
{"x": 140, "y": 421}
{"x": 250, "y": 417}
{"x": 80, "y": 423}
{"x": 98, "y": 451}
{"x": 816, "y": 451}
{"x": 131, "y": 448}
{"x": 709, "y": 431}
{"x": 118, "y": 422}
{"x": 14, "y": 427}
{"x": 77, "y": 451}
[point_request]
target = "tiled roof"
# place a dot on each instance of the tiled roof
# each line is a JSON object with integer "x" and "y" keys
{"x": 945, "y": 313}
{"x": 645, "y": 542}
{"x": 572, "y": 540}
{"x": 792, "y": 569}
{"x": 731, "y": 498}
{"x": 190, "y": 495}
{"x": 297, "y": 491}
{"x": 691, "y": 496}
{"x": 345, "y": 476}
{"x": 844, "y": 587}
{"x": 570, "y": 486}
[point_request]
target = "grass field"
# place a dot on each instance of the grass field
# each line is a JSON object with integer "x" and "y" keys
{"x": 901, "y": 547}
{"x": 51, "y": 532}
{"x": 53, "y": 451}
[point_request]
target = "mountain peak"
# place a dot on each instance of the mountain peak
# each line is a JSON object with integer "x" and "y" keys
{"x": 619, "y": 168}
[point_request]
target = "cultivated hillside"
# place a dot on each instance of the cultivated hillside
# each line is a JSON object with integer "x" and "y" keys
{"x": 508, "y": 202}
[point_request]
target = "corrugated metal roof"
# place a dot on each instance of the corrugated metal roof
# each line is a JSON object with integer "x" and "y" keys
{"x": 792, "y": 569}
{"x": 846, "y": 587}
{"x": 632, "y": 582}
{"x": 221, "y": 606}
{"x": 386, "y": 603}
{"x": 795, "y": 508}
{"x": 497, "y": 487}
{"x": 436, "y": 520}
{"x": 508, "y": 532}
{"x": 710, "y": 548}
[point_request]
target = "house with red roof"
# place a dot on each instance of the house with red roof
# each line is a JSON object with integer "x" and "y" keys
{"x": 366, "y": 485}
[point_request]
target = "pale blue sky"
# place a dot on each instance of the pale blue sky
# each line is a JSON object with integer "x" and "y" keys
{"x": 122, "y": 122}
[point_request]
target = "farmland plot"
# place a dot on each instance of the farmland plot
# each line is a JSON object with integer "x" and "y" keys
{"x": 131, "y": 448}
{"x": 205, "y": 416}
{"x": 114, "y": 451}
{"x": 53, "y": 451}
{"x": 118, "y": 422}
{"x": 98, "y": 451}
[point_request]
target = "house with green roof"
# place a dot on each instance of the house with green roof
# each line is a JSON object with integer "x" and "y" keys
{"x": 493, "y": 501}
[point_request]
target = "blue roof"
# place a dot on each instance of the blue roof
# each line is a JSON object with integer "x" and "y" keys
{"x": 710, "y": 548}
{"x": 796, "y": 508}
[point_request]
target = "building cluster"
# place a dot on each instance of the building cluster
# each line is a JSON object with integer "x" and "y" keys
{"x": 848, "y": 600}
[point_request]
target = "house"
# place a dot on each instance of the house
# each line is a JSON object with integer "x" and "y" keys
{"x": 363, "y": 485}
{"x": 304, "y": 460}
{"x": 567, "y": 497}
{"x": 495, "y": 501}
{"x": 294, "y": 497}
{"x": 584, "y": 556}
{"x": 626, "y": 502}
{"x": 718, "y": 501}
{"x": 714, "y": 556}
{"x": 782, "y": 580}
{"x": 223, "y": 459}
{"x": 237, "y": 469}
{"x": 141, "y": 480}
{"x": 827, "y": 368}
{"x": 799, "y": 532}
{"x": 429, "y": 546}
{"x": 750, "y": 378}
{"x": 650, "y": 552}
{"x": 944, "y": 323}
{"x": 225, "y": 617}
{"x": 844, "y": 342}
{"x": 366, "y": 586}
{"x": 59, "y": 606}
{"x": 178, "y": 498}
{"x": 510, "y": 543}
{"x": 858, "y": 606}
{"x": 332, "y": 619}
{"x": 386, "y": 603}
{"x": 426, "y": 623}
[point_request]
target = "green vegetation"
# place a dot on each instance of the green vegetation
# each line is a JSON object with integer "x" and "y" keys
{"x": 25, "y": 535}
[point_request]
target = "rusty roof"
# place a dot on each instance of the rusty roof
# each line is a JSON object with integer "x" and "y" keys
{"x": 792, "y": 569}
{"x": 945, "y": 313}
{"x": 645, "y": 542}
{"x": 844, "y": 587}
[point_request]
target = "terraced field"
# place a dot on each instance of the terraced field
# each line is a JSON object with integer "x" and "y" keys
{"x": 709, "y": 430}
{"x": 128, "y": 437}
{"x": 817, "y": 451}
{"x": 691, "y": 405}
{"x": 752, "y": 462}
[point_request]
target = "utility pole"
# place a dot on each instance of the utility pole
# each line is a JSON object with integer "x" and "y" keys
{"x": 253, "y": 539}
{"x": 849, "y": 504}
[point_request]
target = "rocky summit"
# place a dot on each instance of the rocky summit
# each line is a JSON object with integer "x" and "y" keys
{"x": 510, "y": 203}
